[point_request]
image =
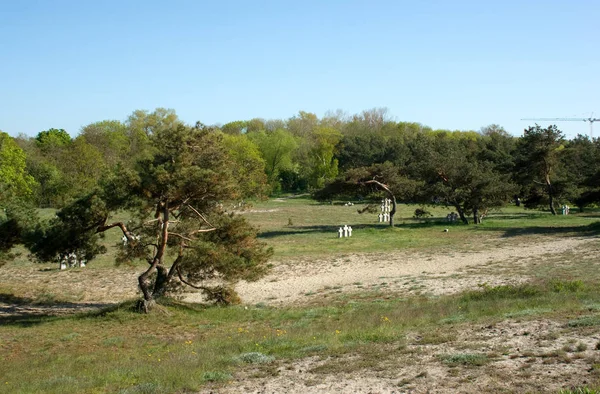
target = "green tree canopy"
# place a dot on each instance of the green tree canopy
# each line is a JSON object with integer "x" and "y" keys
{"x": 277, "y": 150}
{"x": 538, "y": 162}
{"x": 177, "y": 224}
{"x": 51, "y": 139}
{"x": 15, "y": 182}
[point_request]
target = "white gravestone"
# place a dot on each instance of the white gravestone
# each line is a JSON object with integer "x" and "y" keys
{"x": 345, "y": 230}
{"x": 349, "y": 231}
{"x": 340, "y": 233}
{"x": 380, "y": 216}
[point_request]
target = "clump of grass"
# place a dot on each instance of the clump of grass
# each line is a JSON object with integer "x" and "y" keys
{"x": 216, "y": 376}
{"x": 255, "y": 358}
{"x": 528, "y": 312}
{"x": 585, "y": 321}
{"x": 314, "y": 349}
{"x": 502, "y": 292}
{"x": 144, "y": 388}
{"x": 467, "y": 359}
{"x": 580, "y": 390}
{"x": 572, "y": 286}
{"x": 436, "y": 337}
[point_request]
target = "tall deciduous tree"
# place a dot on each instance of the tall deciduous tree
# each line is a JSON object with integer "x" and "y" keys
{"x": 177, "y": 224}
{"x": 277, "y": 149}
{"x": 15, "y": 182}
{"x": 50, "y": 140}
{"x": 247, "y": 164}
{"x": 110, "y": 138}
{"x": 16, "y": 187}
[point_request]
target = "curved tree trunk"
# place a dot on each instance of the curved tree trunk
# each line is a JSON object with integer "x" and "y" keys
{"x": 551, "y": 200}
{"x": 150, "y": 294}
{"x": 161, "y": 282}
{"x": 461, "y": 214}
{"x": 550, "y": 193}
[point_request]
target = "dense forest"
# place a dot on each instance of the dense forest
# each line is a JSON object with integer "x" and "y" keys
{"x": 469, "y": 170}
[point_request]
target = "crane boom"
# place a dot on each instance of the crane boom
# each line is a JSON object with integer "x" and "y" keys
{"x": 591, "y": 120}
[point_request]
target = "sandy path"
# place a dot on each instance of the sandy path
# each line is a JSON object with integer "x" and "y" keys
{"x": 297, "y": 280}
{"x": 289, "y": 282}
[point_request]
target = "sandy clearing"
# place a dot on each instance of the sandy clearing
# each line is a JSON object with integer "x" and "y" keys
{"x": 291, "y": 281}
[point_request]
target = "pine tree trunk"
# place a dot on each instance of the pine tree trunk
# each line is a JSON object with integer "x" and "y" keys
{"x": 150, "y": 294}
{"x": 162, "y": 280}
{"x": 461, "y": 214}
{"x": 550, "y": 194}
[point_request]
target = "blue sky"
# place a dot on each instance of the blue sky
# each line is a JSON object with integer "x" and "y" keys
{"x": 446, "y": 64}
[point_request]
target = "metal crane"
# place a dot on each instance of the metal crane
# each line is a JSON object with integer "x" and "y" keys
{"x": 591, "y": 120}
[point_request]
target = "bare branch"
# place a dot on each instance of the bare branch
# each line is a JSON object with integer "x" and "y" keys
{"x": 181, "y": 236}
{"x": 199, "y": 214}
{"x": 381, "y": 185}
{"x": 205, "y": 230}
{"x": 121, "y": 225}
{"x": 188, "y": 283}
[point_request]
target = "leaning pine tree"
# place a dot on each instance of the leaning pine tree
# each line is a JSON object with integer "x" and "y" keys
{"x": 178, "y": 226}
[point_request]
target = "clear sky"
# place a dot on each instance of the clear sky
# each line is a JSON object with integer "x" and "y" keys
{"x": 446, "y": 64}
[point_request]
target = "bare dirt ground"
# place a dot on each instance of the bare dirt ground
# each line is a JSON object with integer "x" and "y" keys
{"x": 441, "y": 273}
{"x": 536, "y": 356}
{"x": 522, "y": 355}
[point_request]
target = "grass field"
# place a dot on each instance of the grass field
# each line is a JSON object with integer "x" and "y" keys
{"x": 541, "y": 335}
{"x": 314, "y": 227}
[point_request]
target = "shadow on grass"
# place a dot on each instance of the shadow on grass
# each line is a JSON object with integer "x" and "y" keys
{"x": 590, "y": 230}
{"x": 26, "y": 312}
{"x": 332, "y": 230}
{"x": 292, "y": 230}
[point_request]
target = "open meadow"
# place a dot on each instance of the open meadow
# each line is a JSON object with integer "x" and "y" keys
{"x": 510, "y": 305}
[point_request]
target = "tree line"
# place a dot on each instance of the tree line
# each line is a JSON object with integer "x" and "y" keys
{"x": 470, "y": 171}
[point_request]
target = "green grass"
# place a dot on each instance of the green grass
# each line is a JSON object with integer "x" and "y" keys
{"x": 470, "y": 359}
{"x": 315, "y": 224}
{"x": 182, "y": 347}
{"x": 314, "y": 232}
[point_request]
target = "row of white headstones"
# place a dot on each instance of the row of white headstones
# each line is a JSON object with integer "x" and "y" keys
{"x": 386, "y": 207}
{"x": 384, "y": 216}
{"x": 345, "y": 231}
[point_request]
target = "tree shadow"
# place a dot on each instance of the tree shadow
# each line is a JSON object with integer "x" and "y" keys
{"x": 292, "y": 230}
{"x": 25, "y": 312}
{"x": 329, "y": 229}
{"x": 591, "y": 230}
